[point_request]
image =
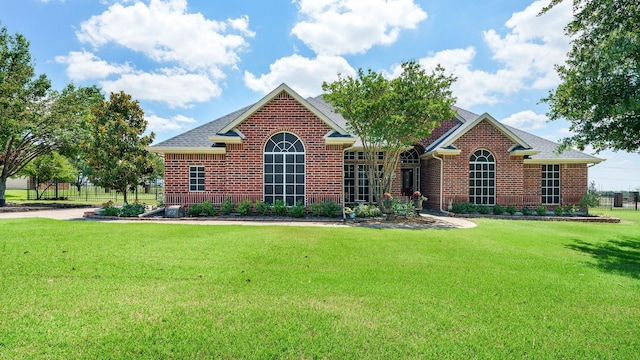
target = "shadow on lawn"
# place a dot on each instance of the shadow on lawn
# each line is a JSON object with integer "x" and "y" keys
{"x": 615, "y": 256}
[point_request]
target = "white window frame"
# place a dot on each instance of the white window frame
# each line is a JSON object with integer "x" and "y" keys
{"x": 550, "y": 184}
{"x": 197, "y": 178}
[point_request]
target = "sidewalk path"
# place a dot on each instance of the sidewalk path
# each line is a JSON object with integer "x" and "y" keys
{"x": 78, "y": 214}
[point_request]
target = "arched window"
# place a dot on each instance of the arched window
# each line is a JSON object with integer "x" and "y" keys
{"x": 482, "y": 178}
{"x": 284, "y": 169}
{"x": 410, "y": 157}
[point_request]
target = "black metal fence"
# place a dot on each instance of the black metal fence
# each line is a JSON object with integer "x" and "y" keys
{"x": 91, "y": 194}
{"x": 627, "y": 200}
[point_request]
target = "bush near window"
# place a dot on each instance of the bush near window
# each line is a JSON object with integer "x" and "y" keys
{"x": 526, "y": 211}
{"x": 317, "y": 209}
{"x": 570, "y": 210}
{"x": 541, "y": 210}
{"x": 280, "y": 208}
{"x": 298, "y": 210}
{"x": 558, "y": 210}
{"x": 244, "y": 207}
{"x": 208, "y": 209}
{"x": 330, "y": 208}
{"x": 511, "y": 209}
{"x": 195, "y": 210}
{"x": 498, "y": 210}
{"x": 227, "y": 207}
{"x": 483, "y": 209}
{"x": 463, "y": 208}
{"x": 262, "y": 208}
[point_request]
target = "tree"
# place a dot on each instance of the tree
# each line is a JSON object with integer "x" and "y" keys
{"x": 157, "y": 173}
{"x": 117, "y": 150}
{"x": 50, "y": 168}
{"x": 599, "y": 92}
{"x": 34, "y": 119}
{"x": 391, "y": 116}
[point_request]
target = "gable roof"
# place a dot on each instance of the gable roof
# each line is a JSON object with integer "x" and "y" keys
{"x": 535, "y": 148}
{"x": 210, "y": 138}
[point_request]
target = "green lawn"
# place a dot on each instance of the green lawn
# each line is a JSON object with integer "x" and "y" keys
{"x": 506, "y": 289}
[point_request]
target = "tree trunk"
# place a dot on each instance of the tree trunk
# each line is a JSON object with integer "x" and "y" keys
{"x": 3, "y": 188}
{"x": 124, "y": 194}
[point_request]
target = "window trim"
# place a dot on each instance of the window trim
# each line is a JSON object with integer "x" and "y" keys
{"x": 197, "y": 170}
{"x": 547, "y": 183}
{"x": 284, "y": 149}
{"x": 488, "y": 198}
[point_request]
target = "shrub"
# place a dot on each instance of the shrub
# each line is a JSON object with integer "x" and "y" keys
{"x": 227, "y": 207}
{"x": 570, "y": 210}
{"x": 463, "y": 208}
{"x": 541, "y": 210}
{"x": 262, "y": 208}
{"x": 317, "y": 209}
{"x": 330, "y": 209}
{"x": 244, "y": 207}
{"x": 403, "y": 209}
{"x": 526, "y": 211}
{"x": 498, "y": 210}
{"x": 363, "y": 211}
{"x": 280, "y": 208}
{"x": 195, "y": 210}
{"x": 589, "y": 200}
{"x": 298, "y": 210}
{"x": 511, "y": 209}
{"x": 558, "y": 210}
{"x": 110, "y": 211}
{"x": 483, "y": 209}
{"x": 208, "y": 209}
{"x": 131, "y": 210}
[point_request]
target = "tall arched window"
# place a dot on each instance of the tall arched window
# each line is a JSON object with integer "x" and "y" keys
{"x": 284, "y": 169}
{"x": 482, "y": 178}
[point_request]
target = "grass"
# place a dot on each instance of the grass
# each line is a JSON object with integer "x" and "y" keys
{"x": 505, "y": 289}
{"x": 21, "y": 197}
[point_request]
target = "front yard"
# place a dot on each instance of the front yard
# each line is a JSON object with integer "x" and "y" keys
{"x": 505, "y": 289}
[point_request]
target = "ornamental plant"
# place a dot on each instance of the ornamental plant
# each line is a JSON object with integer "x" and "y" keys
{"x": 418, "y": 196}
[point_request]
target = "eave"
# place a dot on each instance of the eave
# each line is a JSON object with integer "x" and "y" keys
{"x": 189, "y": 150}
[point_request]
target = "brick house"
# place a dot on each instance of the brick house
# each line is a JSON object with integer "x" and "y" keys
{"x": 295, "y": 149}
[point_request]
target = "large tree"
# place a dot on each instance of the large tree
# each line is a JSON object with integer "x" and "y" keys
{"x": 34, "y": 118}
{"x": 600, "y": 89}
{"x": 117, "y": 150}
{"x": 391, "y": 116}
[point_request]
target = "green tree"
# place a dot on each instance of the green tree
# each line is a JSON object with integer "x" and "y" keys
{"x": 35, "y": 119}
{"x": 391, "y": 116}
{"x": 117, "y": 150}
{"x": 599, "y": 92}
{"x": 50, "y": 169}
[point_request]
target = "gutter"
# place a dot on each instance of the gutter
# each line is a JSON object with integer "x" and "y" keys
{"x": 441, "y": 175}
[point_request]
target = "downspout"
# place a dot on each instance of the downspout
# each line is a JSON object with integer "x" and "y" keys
{"x": 441, "y": 182}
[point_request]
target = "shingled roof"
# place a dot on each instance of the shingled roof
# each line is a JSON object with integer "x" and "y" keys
{"x": 539, "y": 149}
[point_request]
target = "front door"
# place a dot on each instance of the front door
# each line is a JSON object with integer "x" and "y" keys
{"x": 407, "y": 182}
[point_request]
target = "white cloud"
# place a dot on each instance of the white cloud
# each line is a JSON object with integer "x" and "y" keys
{"x": 164, "y": 32}
{"x": 158, "y": 124}
{"x": 339, "y": 27}
{"x": 84, "y": 65}
{"x": 526, "y": 120}
{"x": 527, "y": 55}
{"x": 175, "y": 87}
{"x": 303, "y": 75}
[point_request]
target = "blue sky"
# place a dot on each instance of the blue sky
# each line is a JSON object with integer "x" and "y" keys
{"x": 191, "y": 61}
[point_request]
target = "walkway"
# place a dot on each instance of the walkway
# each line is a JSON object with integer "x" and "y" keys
{"x": 78, "y": 214}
